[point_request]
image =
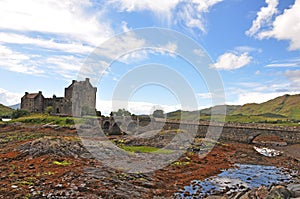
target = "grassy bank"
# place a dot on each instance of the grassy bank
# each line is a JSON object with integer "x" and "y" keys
{"x": 46, "y": 119}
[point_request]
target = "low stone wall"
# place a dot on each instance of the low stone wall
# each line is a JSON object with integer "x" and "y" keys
{"x": 229, "y": 131}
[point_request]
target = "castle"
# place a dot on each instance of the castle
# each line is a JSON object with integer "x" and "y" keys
{"x": 79, "y": 99}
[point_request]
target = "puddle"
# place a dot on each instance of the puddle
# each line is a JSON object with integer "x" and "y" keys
{"x": 237, "y": 179}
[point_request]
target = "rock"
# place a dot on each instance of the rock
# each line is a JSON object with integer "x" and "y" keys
{"x": 279, "y": 192}
{"x": 216, "y": 197}
{"x": 14, "y": 186}
{"x": 269, "y": 140}
{"x": 294, "y": 189}
{"x": 240, "y": 194}
{"x": 50, "y": 145}
{"x": 50, "y": 125}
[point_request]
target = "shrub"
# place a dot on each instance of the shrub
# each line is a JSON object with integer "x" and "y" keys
{"x": 19, "y": 113}
{"x": 49, "y": 110}
{"x": 70, "y": 121}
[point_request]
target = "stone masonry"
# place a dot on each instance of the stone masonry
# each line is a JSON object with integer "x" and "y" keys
{"x": 79, "y": 99}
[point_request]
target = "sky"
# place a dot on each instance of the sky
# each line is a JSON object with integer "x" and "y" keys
{"x": 254, "y": 47}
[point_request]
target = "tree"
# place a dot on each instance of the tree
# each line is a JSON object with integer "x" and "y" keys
{"x": 19, "y": 113}
{"x": 49, "y": 110}
{"x": 158, "y": 114}
{"x": 122, "y": 112}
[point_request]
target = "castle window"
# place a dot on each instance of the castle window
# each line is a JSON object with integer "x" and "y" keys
{"x": 57, "y": 110}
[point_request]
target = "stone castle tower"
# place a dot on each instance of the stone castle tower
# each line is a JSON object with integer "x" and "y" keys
{"x": 79, "y": 99}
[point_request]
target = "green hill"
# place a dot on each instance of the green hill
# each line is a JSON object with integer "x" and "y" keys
{"x": 219, "y": 110}
{"x": 285, "y": 106}
{"x": 186, "y": 115}
{"x": 202, "y": 114}
{"x": 5, "y": 111}
{"x": 280, "y": 109}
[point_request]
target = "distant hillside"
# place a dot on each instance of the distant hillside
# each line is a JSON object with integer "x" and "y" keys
{"x": 5, "y": 111}
{"x": 219, "y": 109}
{"x": 287, "y": 106}
{"x": 281, "y": 108}
{"x": 16, "y": 106}
{"x": 192, "y": 115}
{"x": 186, "y": 115}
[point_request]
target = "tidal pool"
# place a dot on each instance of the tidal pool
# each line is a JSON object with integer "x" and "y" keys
{"x": 240, "y": 178}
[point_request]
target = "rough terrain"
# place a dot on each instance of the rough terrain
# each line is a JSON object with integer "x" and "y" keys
{"x": 51, "y": 162}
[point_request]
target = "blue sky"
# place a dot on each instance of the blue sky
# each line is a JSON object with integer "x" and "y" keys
{"x": 253, "y": 45}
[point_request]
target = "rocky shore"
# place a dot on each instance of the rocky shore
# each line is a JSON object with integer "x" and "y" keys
{"x": 51, "y": 162}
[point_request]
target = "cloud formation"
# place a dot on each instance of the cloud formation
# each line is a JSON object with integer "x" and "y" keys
{"x": 231, "y": 61}
{"x": 18, "y": 62}
{"x": 264, "y": 17}
{"x": 286, "y": 27}
{"x": 293, "y": 76}
{"x": 71, "y": 19}
{"x": 8, "y": 98}
{"x": 190, "y": 12}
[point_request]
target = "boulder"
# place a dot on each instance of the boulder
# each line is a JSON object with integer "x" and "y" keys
{"x": 294, "y": 189}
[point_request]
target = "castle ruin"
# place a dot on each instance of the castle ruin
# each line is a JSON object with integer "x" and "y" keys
{"x": 79, "y": 99}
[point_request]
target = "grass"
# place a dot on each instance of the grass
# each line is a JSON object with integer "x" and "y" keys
{"x": 17, "y": 136}
{"x": 46, "y": 119}
{"x": 281, "y": 110}
{"x": 173, "y": 131}
{"x": 5, "y": 111}
{"x": 145, "y": 149}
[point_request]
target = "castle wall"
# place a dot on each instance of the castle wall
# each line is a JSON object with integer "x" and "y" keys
{"x": 83, "y": 97}
{"x": 33, "y": 104}
{"x": 82, "y": 94}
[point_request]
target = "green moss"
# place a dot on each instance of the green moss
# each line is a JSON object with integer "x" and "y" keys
{"x": 49, "y": 173}
{"x": 26, "y": 183}
{"x": 145, "y": 149}
{"x": 180, "y": 163}
{"x": 63, "y": 163}
{"x": 19, "y": 136}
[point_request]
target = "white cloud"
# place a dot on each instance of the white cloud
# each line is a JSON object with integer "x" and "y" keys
{"x": 17, "y": 62}
{"x": 292, "y": 62}
{"x": 294, "y": 77}
{"x": 244, "y": 49}
{"x": 278, "y": 65}
{"x": 205, "y": 95}
{"x": 286, "y": 27}
{"x": 105, "y": 106}
{"x": 231, "y": 61}
{"x": 160, "y": 7}
{"x": 69, "y": 19}
{"x": 8, "y": 98}
{"x": 258, "y": 97}
{"x": 125, "y": 26}
{"x": 199, "y": 53}
{"x": 189, "y": 11}
{"x": 71, "y": 47}
{"x": 264, "y": 17}
{"x": 118, "y": 45}
{"x": 65, "y": 66}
